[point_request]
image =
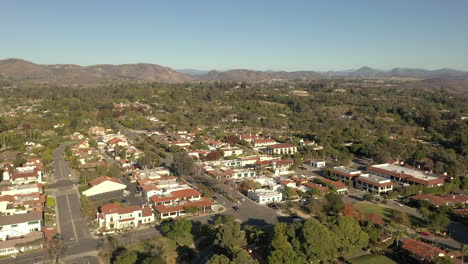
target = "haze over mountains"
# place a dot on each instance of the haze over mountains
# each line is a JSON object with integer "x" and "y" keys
{"x": 21, "y": 71}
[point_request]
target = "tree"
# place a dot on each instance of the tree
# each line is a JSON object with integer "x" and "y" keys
{"x": 335, "y": 204}
{"x": 178, "y": 228}
{"x": 191, "y": 209}
{"x": 282, "y": 251}
{"x": 375, "y": 218}
{"x": 349, "y": 235}
{"x": 126, "y": 257}
{"x": 443, "y": 260}
{"x": 317, "y": 250}
{"x": 107, "y": 248}
{"x": 242, "y": 257}
{"x": 289, "y": 192}
{"x": 250, "y": 184}
{"x": 218, "y": 259}
{"x": 400, "y": 217}
{"x": 368, "y": 197}
{"x": 160, "y": 252}
{"x": 183, "y": 164}
{"x": 230, "y": 237}
{"x": 439, "y": 221}
{"x": 464, "y": 250}
{"x": 213, "y": 155}
{"x": 50, "y": 202}
{"x": 55, "y": 249}
{"x": 348, "y": 210}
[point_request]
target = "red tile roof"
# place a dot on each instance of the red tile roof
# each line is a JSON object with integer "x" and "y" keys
{"x": 421, "y": 249}
{"x": 313, "y": 185}
{"x": 103, "y": 179}
{"x": 337, "y": 184}
{"x": 262, "y": 140}
{"x": 186, "y": 193}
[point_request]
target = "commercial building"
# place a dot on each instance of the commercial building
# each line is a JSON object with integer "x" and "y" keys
{"x": 373, "y": 183}
{"x": 265, "y": 196}
{"x": 406, "y": 175}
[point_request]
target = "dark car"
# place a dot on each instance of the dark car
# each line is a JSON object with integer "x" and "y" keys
{"x": 274, "y": 206}
{"x": 236, "y": 208}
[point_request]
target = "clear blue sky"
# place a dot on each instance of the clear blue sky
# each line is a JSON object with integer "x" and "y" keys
{"x": 229, "y": 34}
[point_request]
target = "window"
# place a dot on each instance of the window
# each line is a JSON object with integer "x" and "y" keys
{"x": 33, "y": 223}
{"x": 14, "y": 225}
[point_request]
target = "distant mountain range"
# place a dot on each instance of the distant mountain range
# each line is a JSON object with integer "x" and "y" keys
{"x": 21, "y": 71}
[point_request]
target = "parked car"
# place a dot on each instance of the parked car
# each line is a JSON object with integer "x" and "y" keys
{"x": 425, "y": 234}
{"x": 236, "y": 208}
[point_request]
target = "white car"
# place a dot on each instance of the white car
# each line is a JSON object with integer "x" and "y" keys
{"x": 69, "y": 175}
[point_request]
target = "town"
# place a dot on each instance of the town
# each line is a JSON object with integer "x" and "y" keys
{"x": 75, "y": 190}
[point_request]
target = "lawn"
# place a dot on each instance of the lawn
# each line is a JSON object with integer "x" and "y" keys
{"x": 367, "y": 208}
{"x": 386, "y": 213}
{"x": 371, "y": 259}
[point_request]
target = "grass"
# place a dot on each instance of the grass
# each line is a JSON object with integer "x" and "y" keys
{"x": 371, "y": 259}
{"x": 367, "y": 208}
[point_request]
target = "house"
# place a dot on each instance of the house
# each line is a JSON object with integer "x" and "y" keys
{"x": 97, "y": 131}
{"x": 227, "y": 152}
{"x": 30, "y": 241}
{"x": 374, "y": 183}
{"x": 21, "y": 203}
{"x": 406, "y": 175}
{"x": 22, "y": 189}
{"x": 265, "y": 196}
{"x": 216, "y": 144}
{"x": 18, "y": 225}
{"x": 448, "y": 199}
{"x": 340, "y": 187}
{"x": 263, "y": 142}
{"x": 317, "y": 163}
{"x": 310, "y": 185}
{"x": 422, "y": 251}
{"x": 281, "y": 149}
{"x": 104, "y": 184}
{"x": 26, "y": 175}
{"x": 180, "y": 143}
{"x": 247, "y": 137}
{"x": 113, "y": 216}
{"x": 343, "y": 173}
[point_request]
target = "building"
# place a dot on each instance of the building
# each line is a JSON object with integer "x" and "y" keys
{"x": 22, "y": 189}
{"x": 21, "y": 203}
{"x": 227, "y": 152}
{"x": 247, "y": 137}
{"x": 265, "y": 196}
{"x": 104, "y": 184}
{"x": 422, "y": 251}
{"x": 343, "y": 173}
{"x": 406, "y": 175}
{"x": 339, "y": 186}
{"x": 201, "y": 206}
{"x": 310, "y": 185}
{"x": 263, "y": 142}
{"x": 181, "y": 144}
{"x": 373, "y": 183}
{"x": 26, "y": 175}
{"x": 30, "y": 241}
{"x": 317, "y": 163}
{"x": 448, "y": 199}
{"x": 18, "y": 225}
{"x": 281, "y": 149}
{"x": 115, "y": 217}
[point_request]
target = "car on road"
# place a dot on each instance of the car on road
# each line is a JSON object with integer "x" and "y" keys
{"x": 274, "y": 206}
{"x": 425, "y": 234}
{"x": 236, "y": 208}
{"x": 297, "y": 219}
{"x": 69, "y": 175}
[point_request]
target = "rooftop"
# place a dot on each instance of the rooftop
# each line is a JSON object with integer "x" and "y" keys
{"x": 347, "y": 170}
{"x": 407, "y": 171}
